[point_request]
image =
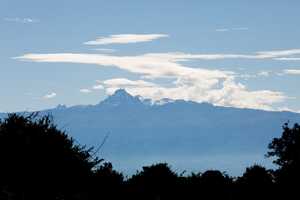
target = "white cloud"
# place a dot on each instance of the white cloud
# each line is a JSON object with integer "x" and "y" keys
{"x": 21, "y": 20}
{"x": 276, "y": 55}
{"x": 222, "y": 30}
{"x": 247, "y": 76}
{"x": 232, "y": 29}
{"x": 280, "y": 53}
{"x": 126, "y": 83}
{"x": 292, "y": 71}
{"x": 148, "y": 65}
{"x": 85, "y": 90}
{"x": 198, "y": 84}
{"x": 230, "y": 93}
{"x": 50, "y": 95}
{"x": 255, "y": 75}
{"x": 287, "y": 109}
{"x": 288, "y": 59}
{"x": 264, "y": 73}
{"x": 105, "y": 50}
{"x": 168, "y": 57}
{"x": 180, "y": 56}
{"x": 98, "y": 87}
{"x": 125, "y": 39}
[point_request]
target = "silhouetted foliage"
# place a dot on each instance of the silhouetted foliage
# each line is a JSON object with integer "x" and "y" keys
{"x": 107, "y": 182}
{"x": 286, "y": 151}
{"x": 215, "y": 184}
{"x": 257, "y": 176}
{"x": 153, "y": 182}
{"x": 286, "y": 148}
{"x": 256, "y": 183}
{"x": 38, "y": 161}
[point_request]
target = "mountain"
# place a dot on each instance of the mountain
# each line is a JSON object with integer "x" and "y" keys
{"x": 188, "y": 135}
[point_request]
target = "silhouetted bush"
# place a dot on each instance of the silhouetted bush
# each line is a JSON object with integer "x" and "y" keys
{"x": 257, "y": 182}
{"x": 107, "y": 183}
{"x": 153, "y": 182}
{"x": 38, "y": 161}
{"x": 216, "y": 185}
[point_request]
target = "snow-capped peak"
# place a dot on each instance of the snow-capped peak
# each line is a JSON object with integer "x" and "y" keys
{"x": 121, "y": 96}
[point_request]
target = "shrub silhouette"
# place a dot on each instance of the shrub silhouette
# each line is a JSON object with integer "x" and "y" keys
{"x": 256, "y": 183}
{"x": 38, "y": 161}
{"x": 160, "y": 182}
{"x": 257, "y": 176}
{"x": 107, "y": 183}
{"x": 215, "y": 185}
{"x": 157, "y": 181}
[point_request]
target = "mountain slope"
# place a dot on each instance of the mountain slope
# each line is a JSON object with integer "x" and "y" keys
{"x": 189, "y": 135}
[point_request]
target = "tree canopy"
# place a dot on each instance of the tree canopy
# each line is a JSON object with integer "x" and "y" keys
{"x": 286, "y": 153}
{"x": 36, "y": 157}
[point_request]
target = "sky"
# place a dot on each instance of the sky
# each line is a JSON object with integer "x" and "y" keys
{"x": 237, "y": 53}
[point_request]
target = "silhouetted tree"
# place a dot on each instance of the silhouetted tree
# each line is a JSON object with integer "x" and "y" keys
{"x": 286, "y": 148}
{"x": 157, "y": 181}
{"x": 190, "y": 186}
{"x": 216, "y": 185}
{"x": 256, "y": 183}
{"x": 38, "y": 161}
{"x": 107, "y": 183}
{"x": 286, "y": 151}
{"x": 257, "y": 176}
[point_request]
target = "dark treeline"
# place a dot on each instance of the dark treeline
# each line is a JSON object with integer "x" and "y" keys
{"x": 39, "y": 161}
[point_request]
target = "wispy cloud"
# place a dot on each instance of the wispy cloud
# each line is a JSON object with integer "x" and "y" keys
{"x": 198, "y": 84}
{"x": 21, "y": 20}
{"x": 232, "y": 29}
{"x": 287, "y": 109}
{"x": 98, "y": 87}
{"x": 222, "y": 29}
{"x": 264, "y": 73}
{"x": 292, "y": 71}
{"x": 105, "y": 50}
{"x": 125, "y": 83}
{"x": 283, "y": 55}
{"x": 276, "y": 54}
{"x": 91, "y": 89}
{"x": 288, "y": 59}
{"x": 85, "y": 90}
{"x": 280, "y": 53}
{"x": 255, "y": 75}
{"x": 125, "y": 39}
{"x": 170, "y": 56}
{"x": 50, "y": 95}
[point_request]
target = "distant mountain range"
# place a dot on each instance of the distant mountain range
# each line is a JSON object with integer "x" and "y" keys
{"x": 188, "y": 135}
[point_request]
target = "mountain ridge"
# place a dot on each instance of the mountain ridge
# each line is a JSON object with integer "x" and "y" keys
{"x": 186, "y": 134}
{"x": 118, "y": 97}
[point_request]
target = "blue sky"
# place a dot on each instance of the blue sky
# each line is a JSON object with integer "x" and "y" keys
{"x": 229, "y": 53}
